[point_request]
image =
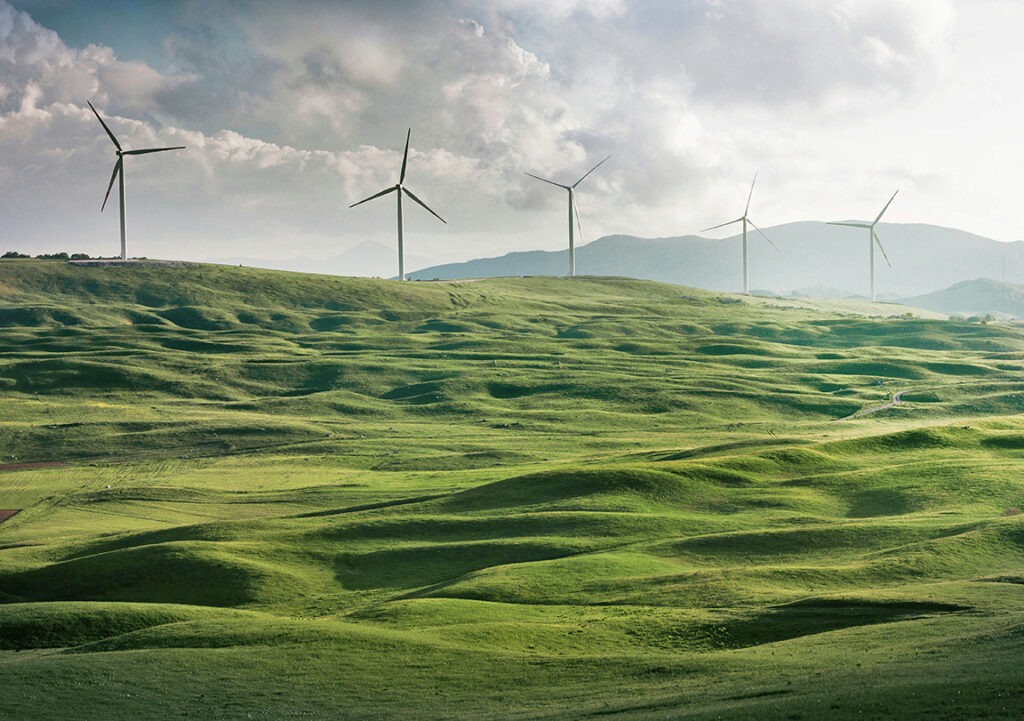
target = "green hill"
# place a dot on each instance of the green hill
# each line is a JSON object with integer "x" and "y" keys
{"x": 263, "y": 494}
{"x": 977, "y": 297}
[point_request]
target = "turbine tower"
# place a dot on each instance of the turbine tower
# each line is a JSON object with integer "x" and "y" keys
{"x": 399, "y": 189}
{"x": 572, "y": 210}
{"x": 119, "y": 175}
{"x": 872, "y": 239}
{"x": 745, "y": 218}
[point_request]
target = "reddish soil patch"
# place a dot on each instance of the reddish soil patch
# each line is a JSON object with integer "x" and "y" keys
{"x": 30, "y": 466}
{"x": 4, "y": 515}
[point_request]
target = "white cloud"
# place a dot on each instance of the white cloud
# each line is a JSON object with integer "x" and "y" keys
{"x": 290, "y": 116}
{"x": 32, "y": 56}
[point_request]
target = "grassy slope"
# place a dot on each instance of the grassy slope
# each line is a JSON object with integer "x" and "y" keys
{"x": 302, "y": 496}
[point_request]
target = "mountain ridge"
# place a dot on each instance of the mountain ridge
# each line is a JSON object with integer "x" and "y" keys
{"x": 980, "y": 296}
{"x": 925, "y": 258}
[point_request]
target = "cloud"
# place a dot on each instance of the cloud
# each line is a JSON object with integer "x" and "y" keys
{"x": 293, "y": 112}
{"x": 805, "y": 49}
{"x": 33, "y": 56}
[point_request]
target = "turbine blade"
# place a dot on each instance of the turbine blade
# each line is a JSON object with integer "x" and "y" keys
{"x": 564, "y": 187}
{"x": 116, "y": 144}
{"x": 392, "y": 189}
{"x": 113, "y": 177}
{"x": 885, "y": 208}
{"x": 714, "y": 227}
{"x": 405, "y": 156}
{"x": 590, "y": 171}
{"x": 875, "y": 236}
{"x": 409, "y": 193}
{"x": 849, "y": 225}
{"x": 750, "y": 195}
{"x": 764, "y": 236}
{"x": 576, "y": 209}
{"x": 151, "y": 150}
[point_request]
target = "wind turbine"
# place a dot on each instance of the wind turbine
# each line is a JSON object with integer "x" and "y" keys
{"x": 745, "y": 219}
{"x": 872, "y": 239}
{"x": 119, "y": 175}
{"x": 399, "y": 189}
{"x": 572, "y": 209}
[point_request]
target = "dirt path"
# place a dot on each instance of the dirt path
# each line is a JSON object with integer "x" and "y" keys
{"x": 896, "y": 400}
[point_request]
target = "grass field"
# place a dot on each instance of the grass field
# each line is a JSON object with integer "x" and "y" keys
{"x": 256, "y": 494}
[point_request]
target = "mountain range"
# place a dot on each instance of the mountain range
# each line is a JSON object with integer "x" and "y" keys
{"x": 813, "y": 257}
{"x": 978, "y": 297}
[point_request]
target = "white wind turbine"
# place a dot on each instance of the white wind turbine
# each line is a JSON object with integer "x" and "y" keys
{"x": 872, "y": 239}
{"x": 399, "y": 189}
{"x": 572, "y": 210}
{"x": 119, "y": 174}
{"x": 745, "y": 219}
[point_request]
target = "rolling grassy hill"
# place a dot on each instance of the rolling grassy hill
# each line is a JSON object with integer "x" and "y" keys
{"x": 269, "y": 495}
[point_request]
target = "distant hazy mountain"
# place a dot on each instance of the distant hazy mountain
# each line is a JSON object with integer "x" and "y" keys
{"x": 370, "y": 258}
{"x": 812, "y": 255}
{"x": 974, "y": 297}
{"x": 822, "y": 291}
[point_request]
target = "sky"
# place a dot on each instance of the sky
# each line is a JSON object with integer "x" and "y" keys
{"x": 293, "y": 111}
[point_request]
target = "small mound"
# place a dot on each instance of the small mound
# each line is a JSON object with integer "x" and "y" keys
{"x": 782, "y": 623}
{"x": 604, "y": 577}
{"x": 921, "y": 397}
{"x": 62, "y": 373}
{"x": 323, "y": 323}
{"x": 437, "y": 325}
{"x": 886, "y": 502}
{"x": 1011, "y": 441}
{"x": 555, "y": 486}
{"x": 957, "y": 369}
{"x": 425, "y": 565}
{"x": 915, "y": 439}
{"x": 198, "y": 318}
{"x": 877, "y": 368}
{"x": 195, "y": 345}
{"x": 521, "y": 390}
{"x": 57, "y": 625}
{"x": 192, "y": 573}
{"x": 645, "y": 349}
{"x": 428, "y": 392}
{"x": 724, "y": 349}
{"x": 37, "y": 316}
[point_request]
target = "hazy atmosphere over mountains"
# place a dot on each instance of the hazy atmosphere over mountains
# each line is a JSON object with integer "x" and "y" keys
{"x": 292, "y": 111}
{"x": 813, "y": 258}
